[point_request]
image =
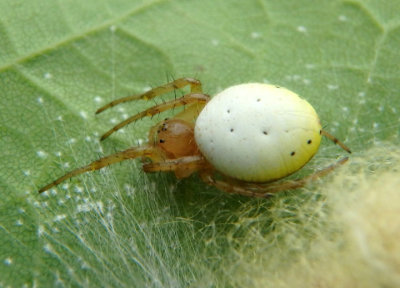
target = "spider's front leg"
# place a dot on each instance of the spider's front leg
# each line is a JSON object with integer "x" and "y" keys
{"x": 195, "y": 87}
{"x": 266, "y": 190}
{"x": 130, "y": 153}
{"x": 185, "y": 100}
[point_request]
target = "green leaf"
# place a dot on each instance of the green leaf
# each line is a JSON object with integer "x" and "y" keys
{"x": 61, "y": 60}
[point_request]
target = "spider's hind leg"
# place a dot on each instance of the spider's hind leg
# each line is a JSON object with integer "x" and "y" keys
{"x": 335, "y": 140}
{"x": 266, "y": 190}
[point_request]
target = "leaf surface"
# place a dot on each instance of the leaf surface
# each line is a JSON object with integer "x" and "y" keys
{"x": 61, "y": 60}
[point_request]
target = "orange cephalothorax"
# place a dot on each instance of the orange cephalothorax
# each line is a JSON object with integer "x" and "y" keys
{"x": 176, "y": 138}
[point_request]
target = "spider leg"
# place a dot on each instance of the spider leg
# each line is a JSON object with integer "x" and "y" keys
{"x": 183, "y": 167}
{"x": 335, "y": 140}
{"x": 187, "y": 99}
{"x": 130, "y": 153}
{"x": 229, "y": 186}
{"x": 265, "y": 191}
{"x": 195, "y": 87}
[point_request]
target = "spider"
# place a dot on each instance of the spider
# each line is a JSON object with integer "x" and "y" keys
{"x": 242, "y": 140}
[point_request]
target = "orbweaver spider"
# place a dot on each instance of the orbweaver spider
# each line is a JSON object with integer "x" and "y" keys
{"x": 250, "y": 135}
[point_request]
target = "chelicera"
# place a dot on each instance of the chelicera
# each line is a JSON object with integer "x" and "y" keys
{"x": 241, "y": 141}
